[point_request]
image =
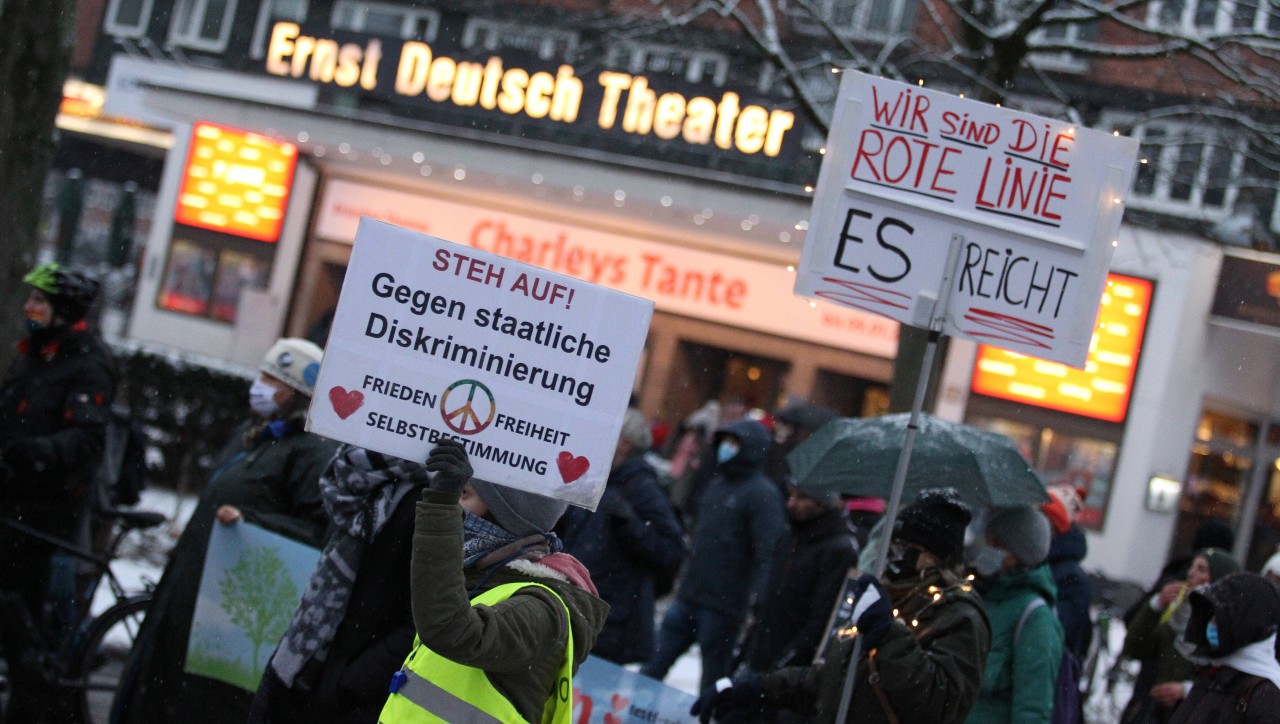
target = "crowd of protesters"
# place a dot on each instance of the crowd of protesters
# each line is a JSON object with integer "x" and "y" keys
{"x": 440, "y": 596}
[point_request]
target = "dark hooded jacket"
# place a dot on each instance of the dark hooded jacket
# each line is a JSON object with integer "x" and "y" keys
{"x": 742, "y": 516}
{"x": 631, "y": 537}
{"x": 809, "y": 566}
{"x": 1246, "y": 608}
{"x": 520, "y": 642}
{"x": 1075, "y": 591}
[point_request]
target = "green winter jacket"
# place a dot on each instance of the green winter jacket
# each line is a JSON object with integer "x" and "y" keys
{"x": 1018, "y": 683}
{"x": 930, "y": 662}
{"x": 520, "y": 642}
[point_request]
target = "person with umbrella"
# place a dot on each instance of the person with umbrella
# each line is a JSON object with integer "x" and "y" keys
{"x": 924, "y": 632}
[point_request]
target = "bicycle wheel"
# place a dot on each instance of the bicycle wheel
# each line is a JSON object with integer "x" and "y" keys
{"x": 98, "y": 660}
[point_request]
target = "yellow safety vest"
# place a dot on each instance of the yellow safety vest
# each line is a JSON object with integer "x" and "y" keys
{"x": 431, "y": 688}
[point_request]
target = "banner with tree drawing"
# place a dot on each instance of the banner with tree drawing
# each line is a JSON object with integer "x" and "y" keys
{"x": 252, "y": 582}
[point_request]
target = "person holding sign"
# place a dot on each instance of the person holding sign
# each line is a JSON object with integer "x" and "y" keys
{"x": 267, "y": 474}
{"x": 503, "y": 619}
{"x": 924, "y": 629}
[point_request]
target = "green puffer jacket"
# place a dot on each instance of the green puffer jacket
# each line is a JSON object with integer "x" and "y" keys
{"x": 930, "y": 661}
{"x": 1018, "y": 684}
{"x": 519, "y": 642}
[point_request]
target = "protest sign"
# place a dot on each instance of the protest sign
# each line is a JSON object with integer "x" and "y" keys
{"x": 605, "y": 693}
{"x": 250, "y": 587}
{"x": 530, "y": 369}
{"x": 1019, "y": 211}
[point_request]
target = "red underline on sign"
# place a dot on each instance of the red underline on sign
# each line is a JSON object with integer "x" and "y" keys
{"x": 1006, "y": 327}
{"x": 1015, "y": 216}
{"x": 860, "y": 294}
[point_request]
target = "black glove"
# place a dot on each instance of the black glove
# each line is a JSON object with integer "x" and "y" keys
{"x": 744, "y": 691}
{"x": 448, "y": 460}
{"x": 872, "y": 610}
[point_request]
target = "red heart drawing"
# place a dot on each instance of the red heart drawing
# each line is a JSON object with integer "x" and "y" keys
{"x": 571, "y": 466}
{"x": 620, "y": 702}
{"x": 612, "y": 718}
{"x": 344, "y": 403}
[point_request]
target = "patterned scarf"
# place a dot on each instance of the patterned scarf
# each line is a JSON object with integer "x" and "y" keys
{"x": 361, "y": 490}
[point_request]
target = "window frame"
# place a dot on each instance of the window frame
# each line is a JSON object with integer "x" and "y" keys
{"x": 1224, "y": 16}
{"x": 556, "y": 43}
{"x": 199, "y": 8}
{"x": 635, "y": 57}
{"x": 262, "y": 26}
{"x": 407, "y": 24}
{"x": 111, "y": 27}
{"x": 1176, "y": 137}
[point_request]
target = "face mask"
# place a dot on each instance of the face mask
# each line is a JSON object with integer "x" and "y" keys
{"x": 726, "y": 451}
{"x": 262, "y": 398}
{"x": 901, "y": 565}
{"x": 1211, "y": 634}
{"x": 988, "y": 561}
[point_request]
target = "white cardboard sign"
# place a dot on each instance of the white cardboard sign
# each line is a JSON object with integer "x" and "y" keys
{"x": 1033, "y": 205}
{"x": 532, "y": 370}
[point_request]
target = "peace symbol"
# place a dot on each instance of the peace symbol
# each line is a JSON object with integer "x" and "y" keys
{"x": 463, "y": 417}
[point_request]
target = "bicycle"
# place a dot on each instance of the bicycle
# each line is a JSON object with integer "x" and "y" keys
{"x": 86, "y": 665}
{"x": 1107, "y": 676}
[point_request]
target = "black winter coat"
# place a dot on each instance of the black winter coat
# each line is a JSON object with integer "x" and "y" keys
{"x": 633, "y": 536}
{"x": 741, "y": 517}
{"x": 809, "y": 567}
{"x": 54, "y": 407}
{"x": 370, "y": 644}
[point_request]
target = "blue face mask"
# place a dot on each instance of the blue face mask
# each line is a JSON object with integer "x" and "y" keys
{"x": 1211, "y": 634}
{"x": 726, "y": 451}
{"x": 988, "y": 561}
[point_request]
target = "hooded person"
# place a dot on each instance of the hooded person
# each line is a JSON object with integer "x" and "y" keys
{"x": 924, "y": 636}
{"x": 1232, "y": 629}
{"x": 1067, "y": 549}
{"x": 503, "y": 619}
{"x": 268, "y": 474}
{"x": 1156, "y": 640}
{"x": 742, "y": 518}
{"x": 1026, "y": 637}
{"x": 55, "y": 403}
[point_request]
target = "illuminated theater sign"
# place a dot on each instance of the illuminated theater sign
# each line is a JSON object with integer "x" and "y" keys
{"x": 236, "y": 182}
{"x": 1101, "y": 390}
{"x": 437, "y": 83}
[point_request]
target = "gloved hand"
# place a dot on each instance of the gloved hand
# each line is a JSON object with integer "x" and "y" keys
{"x": 872, "y": 610}
{"x": 448, "y": 460}
{"x": 744, "y": 691}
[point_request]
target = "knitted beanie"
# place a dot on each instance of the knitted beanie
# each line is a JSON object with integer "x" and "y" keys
{"x": 519, "y": 513}
{"x": 935, "y": 521}
{"x": 1022, "y": 531}
{"x": 1221, "y": 563}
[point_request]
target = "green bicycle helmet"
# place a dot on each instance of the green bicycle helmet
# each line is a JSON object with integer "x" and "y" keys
{"x": 71, "y": 292}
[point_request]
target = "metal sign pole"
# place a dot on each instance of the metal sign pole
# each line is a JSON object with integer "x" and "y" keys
{"x": 936, "y": 322}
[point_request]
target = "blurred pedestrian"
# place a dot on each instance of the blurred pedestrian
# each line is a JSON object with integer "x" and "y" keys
{"x": 792, "y": 425}
{"x": 742, "y": 518}
{"x": 1212, "y": 533}
{"x": 1026, "y": 639}
{"x": 1067, "y": 549}
{"x": 1232, "y": 628}
{"x": 350, "y": 633}
{"x": 691, "y": 452}
{"x": 1155, "y": 639}
{"x": 55, "y": 403}
{"x": 631, "y": 539}
{"x": 924, "y": 636}
{"x": 503, "y": 619}
{"x": 267, "y": 474}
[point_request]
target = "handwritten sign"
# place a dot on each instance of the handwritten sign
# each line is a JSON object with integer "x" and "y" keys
{"x": 530, "y": 369}
{"x": 605, "y": 693}
{"x": 1032, "y": 206}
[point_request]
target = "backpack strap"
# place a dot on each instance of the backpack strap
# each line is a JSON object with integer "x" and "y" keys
{"x": 1035, "y": 603}
{"x": 1242, "y": 704}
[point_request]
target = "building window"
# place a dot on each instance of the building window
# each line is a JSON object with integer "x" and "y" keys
{"x": 492, "y": 35}
{"x": 127, "y": 18}
{"x": 1217, "y": 16}
{"x": 875, "y": 19}
{"x": 389, "y": 21}
{"x": 204, "y": 275}
{"x": 1062, "y": 34}
{"x": 1186, "y": 171}
{"x": 272, "y": 12}
{"x": 695, "y": 66}
{"x": 202, "y": 24}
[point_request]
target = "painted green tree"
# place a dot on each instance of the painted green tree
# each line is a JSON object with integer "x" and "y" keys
{"x": 259, "y": 596}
